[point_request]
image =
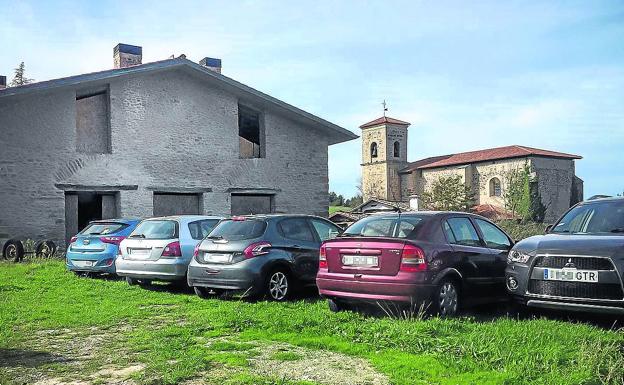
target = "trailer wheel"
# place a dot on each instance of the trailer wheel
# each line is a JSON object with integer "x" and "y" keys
{"x": 13, "y": 250}
{"x": 45, "y": 249}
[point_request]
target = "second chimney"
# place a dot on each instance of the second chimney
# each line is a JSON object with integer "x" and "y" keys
{"x": 211, "y": 63}
{"x": 126, "y": 55}
{"x": 2, "y": 82}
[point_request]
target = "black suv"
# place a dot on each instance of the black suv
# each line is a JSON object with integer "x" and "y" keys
{"x": 577, "y": 265}
{"x": 260, "y": 255}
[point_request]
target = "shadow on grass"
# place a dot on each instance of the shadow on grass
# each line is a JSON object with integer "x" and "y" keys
{"x": 28, "y": 358}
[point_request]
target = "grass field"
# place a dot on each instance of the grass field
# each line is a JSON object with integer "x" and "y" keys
{"x": 56, "y": 328}
{"x": 333, "y": 209}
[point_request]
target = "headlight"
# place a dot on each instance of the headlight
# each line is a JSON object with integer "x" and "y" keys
{"x": 516, "y": 256}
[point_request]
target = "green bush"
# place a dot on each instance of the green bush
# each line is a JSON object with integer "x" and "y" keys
{"x": 520, "y": 230}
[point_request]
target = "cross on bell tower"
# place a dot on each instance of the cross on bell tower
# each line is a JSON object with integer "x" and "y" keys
{"x": 384, "y": 154}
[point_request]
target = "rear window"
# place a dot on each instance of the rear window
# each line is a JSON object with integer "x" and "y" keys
{"x": 156, "y": 229}
{"x": 200, "y": 229}
{"x": 233, "y": 230}
{"x": 393, "y": 227}
{"x": 103, "y": 228}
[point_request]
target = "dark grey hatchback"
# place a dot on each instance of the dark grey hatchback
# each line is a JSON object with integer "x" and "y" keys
{"x": 577, "y": 265}
{"x": 260, "y": 255}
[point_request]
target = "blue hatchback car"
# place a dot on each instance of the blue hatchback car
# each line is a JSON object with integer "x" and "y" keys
{"x": 94, "y": 249}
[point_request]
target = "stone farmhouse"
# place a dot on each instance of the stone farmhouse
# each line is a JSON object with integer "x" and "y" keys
{"x": 389, "y": 177}
{"x": 161, "y": 138}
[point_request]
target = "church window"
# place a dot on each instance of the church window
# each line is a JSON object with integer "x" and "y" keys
{"x": 373, "y": 150}
{"x": 397, "y": 149}
{"x": 495, "y": 187}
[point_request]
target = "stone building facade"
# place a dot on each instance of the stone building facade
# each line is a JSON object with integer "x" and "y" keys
{"x": 169, "y": 137}
{"x": 387, "y": 175}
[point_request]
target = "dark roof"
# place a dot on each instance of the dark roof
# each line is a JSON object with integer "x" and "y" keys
{"x": 348, "y": 215}
{"x": 382, "y": 120}
{"x": 336, "y": 133}
{"x": 507, "y": 152}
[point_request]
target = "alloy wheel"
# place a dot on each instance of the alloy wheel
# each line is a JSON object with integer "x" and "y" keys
{"x": 278, "y": 286}
{"x": 448, "y": 299}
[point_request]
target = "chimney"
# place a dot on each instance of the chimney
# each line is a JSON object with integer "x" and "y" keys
{"x": 2, "y": 82}
{"x": 211, "y": 63}
{"x": 126, "y": 55}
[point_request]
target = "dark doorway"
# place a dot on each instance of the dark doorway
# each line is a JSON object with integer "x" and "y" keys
{"x": 82, "y": 207}
{"x": 249, "y": 204}
{"x": 89, "y": 208}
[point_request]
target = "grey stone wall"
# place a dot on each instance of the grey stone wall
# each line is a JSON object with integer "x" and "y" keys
{"x": 170, "y": 132}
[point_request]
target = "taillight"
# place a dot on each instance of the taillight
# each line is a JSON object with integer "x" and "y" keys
{"x": 112, "y": 240}
{"x": 73, "y": 239}
{"x": 256, "y": 249}
{"x": 196, "y": 250}
{"x": 413, "y": 259}
{"x": 323, "y": 257}
{"x": 172, "y": 250}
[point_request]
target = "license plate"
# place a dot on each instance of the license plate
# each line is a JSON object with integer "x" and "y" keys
{"x": 572, "y": 275}
{"x": 360, "y": 260}
{"x": 84, "y": 263}
{"x": 139, "y": 251}
{"x": 217, "y": 258}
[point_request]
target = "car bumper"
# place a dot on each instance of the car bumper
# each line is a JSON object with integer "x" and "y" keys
{"x": 344, "y": 286}
{"x": 163, "y": 269}
{"x": 245, "y": 275}
{"x": 94, "y": 263}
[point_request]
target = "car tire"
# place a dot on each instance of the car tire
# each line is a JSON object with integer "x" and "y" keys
{"x": 131, "y": 281}
{"x": 13, "y": 250}
{"x": 202, "y": 292}
{"x": 446, "y": 299}
{"x": 335, "y": 306}
{"x": 278, "y": 285}
{"x": 45, "y": 249}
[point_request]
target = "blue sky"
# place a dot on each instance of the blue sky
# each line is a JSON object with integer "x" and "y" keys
{"x": 467, "y": 75}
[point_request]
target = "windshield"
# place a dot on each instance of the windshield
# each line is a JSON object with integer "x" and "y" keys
{"x": 593, "y": 218}
{"x": 405, "y": 226}
{"x": 156, "y": 229}
{"x": 238, "y": 229}
{"x": 103, "y": 228}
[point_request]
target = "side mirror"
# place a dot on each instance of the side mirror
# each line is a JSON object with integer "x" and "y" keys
{"x": 547, "y": 229}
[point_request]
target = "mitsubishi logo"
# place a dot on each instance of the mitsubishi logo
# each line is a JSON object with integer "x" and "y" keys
{"x": 570, "y": 264}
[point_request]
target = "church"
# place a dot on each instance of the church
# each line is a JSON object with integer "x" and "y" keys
{"x": 390, "y": 180}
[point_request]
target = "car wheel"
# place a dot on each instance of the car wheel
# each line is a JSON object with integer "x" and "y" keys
{"x": 335, "y": 305}
{"x": 13, "y": 250}
{"x": 202, "y": 292}
{"x": 45, "y": 249}
{"x": 131, "y": 281}
{"x": 446, "y": 299}
{"x": 278, "y": 286}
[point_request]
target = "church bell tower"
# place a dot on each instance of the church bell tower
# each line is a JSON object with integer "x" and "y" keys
{"x": 384, "y": 153}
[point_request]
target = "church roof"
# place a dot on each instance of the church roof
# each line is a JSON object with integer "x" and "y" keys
{"x": 507, "y": 152}
{"x": 382, "y": 120}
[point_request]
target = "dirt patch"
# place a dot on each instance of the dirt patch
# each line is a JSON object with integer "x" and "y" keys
{"x": 69, "y": 357}
{"x": 292, "y": 363}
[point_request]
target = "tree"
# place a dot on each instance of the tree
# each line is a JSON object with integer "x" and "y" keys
{"x": 448, "y": 194}
{"x": 20, "y": 78}
{"x": 522, "y": 195}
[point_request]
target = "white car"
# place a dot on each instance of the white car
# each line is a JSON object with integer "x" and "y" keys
{"x": 162, "y": 248}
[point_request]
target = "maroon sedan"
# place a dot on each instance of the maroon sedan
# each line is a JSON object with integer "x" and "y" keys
{"x": 439, "y": 259}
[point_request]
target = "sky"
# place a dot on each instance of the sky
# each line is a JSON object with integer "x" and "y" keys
{"x": 466, "y": 75}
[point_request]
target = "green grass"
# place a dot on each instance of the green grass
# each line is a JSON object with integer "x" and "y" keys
{"x": 179, "y": 336}
{"x": 333, "y": 209}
